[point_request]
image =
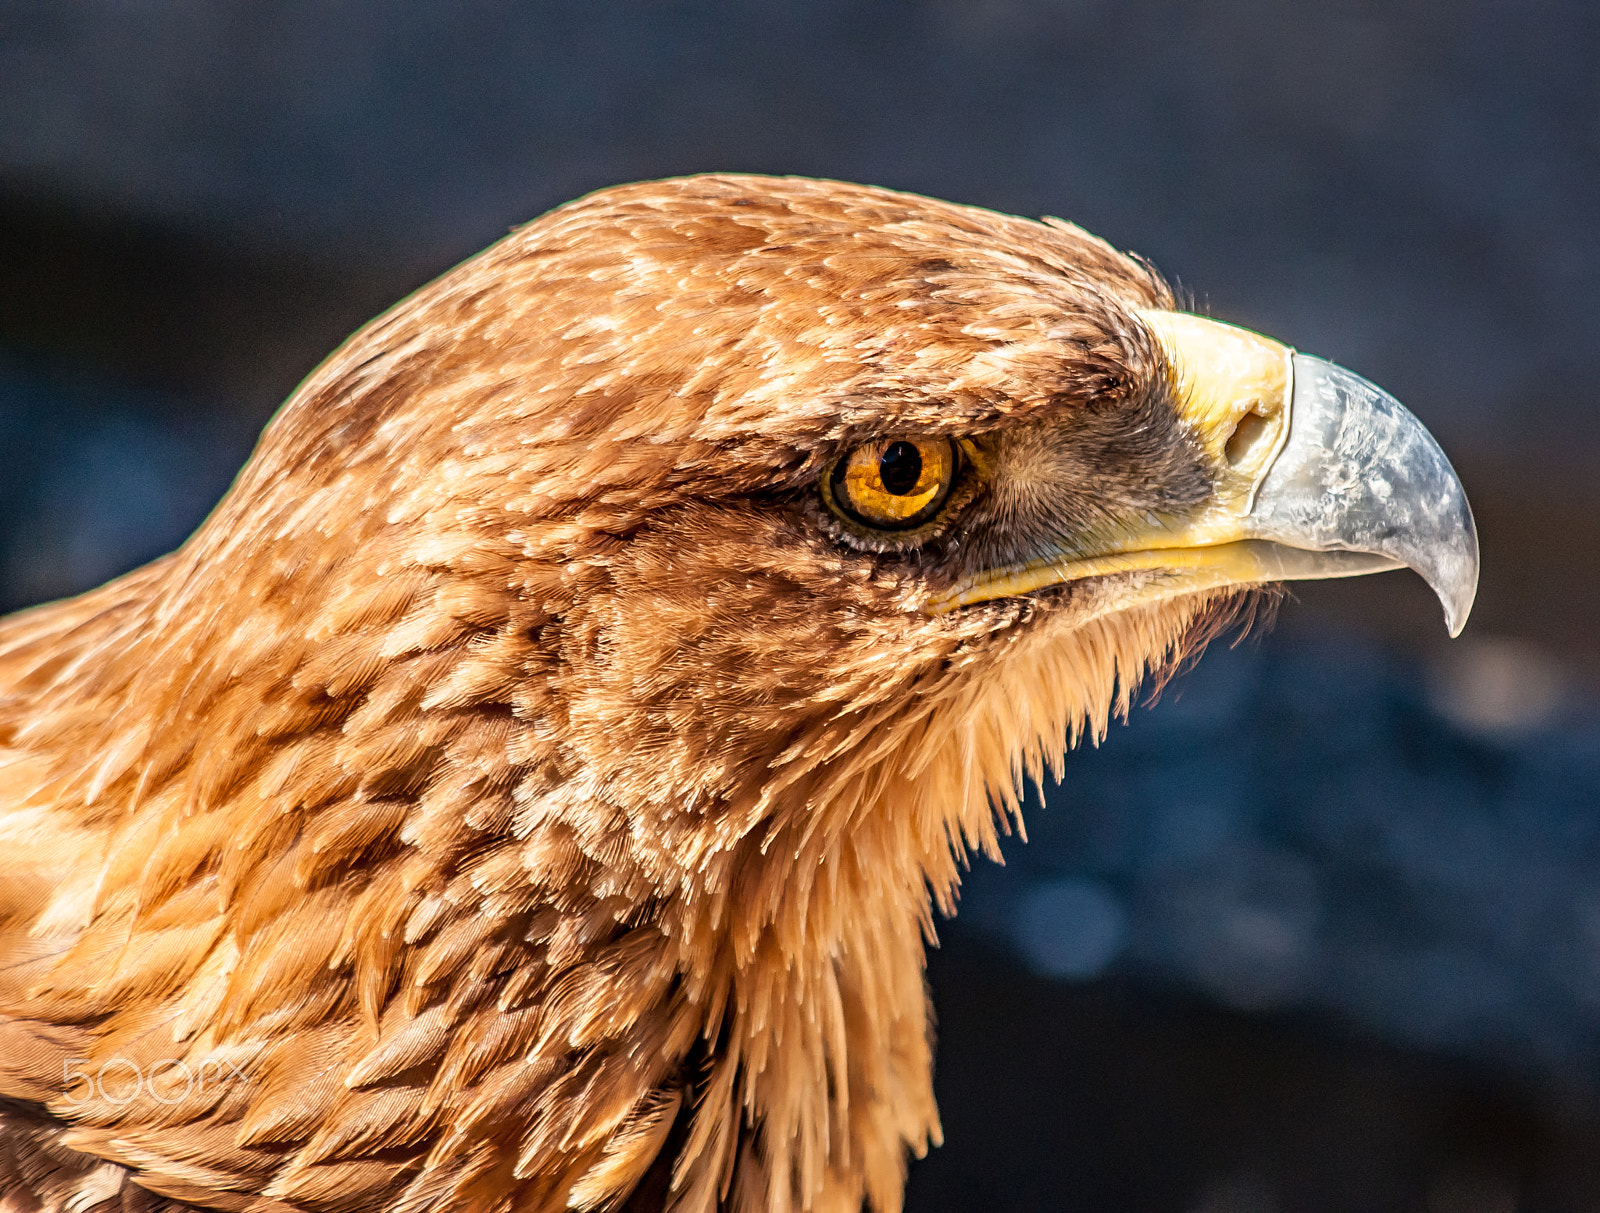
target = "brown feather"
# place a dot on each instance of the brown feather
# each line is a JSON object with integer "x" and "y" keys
{"x": 516, "y": 795}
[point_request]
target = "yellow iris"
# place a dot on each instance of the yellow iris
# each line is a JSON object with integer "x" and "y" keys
{"x": 894, "y": 484}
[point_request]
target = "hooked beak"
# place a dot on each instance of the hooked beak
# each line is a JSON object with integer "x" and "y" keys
{"x": 1317, "y": 474}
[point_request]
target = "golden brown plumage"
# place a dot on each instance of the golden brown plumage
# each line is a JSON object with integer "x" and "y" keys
{"x": 524, "y": 792}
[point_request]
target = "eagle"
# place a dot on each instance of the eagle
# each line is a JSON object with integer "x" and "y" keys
{"x": 534, "y": 785}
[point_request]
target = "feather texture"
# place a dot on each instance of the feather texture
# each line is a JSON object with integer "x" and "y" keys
{"x": 515, "y": 797}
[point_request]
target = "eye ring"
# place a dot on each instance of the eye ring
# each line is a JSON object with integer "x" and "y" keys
{"x": 891, "y": 486}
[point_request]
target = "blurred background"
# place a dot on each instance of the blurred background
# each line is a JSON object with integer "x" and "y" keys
{"x": 1321, "y": 931}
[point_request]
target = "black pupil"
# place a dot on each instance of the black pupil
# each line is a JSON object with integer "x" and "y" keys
{"x": 900, "y": 468}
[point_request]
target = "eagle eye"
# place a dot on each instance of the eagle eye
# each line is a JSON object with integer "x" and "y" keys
{"x": 892, "y": 484}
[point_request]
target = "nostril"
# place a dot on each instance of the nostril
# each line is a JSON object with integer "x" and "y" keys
{"x": 1247, "y": 438}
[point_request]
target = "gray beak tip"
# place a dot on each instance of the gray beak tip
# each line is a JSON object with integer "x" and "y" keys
{"x": 1359, "y": 473}
{"x": 1454, "y": 578}
{"x": 1442, "y": 544}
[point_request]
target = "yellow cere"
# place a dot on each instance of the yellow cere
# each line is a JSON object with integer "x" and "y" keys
{"x": 1234, "y": 392}
{"x": 1234, "y": 389}
{"x": 892, "y": 482}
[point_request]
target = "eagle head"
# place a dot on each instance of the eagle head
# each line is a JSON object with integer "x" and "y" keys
{"x": 535, "y": 780}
